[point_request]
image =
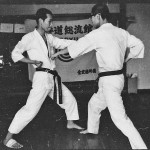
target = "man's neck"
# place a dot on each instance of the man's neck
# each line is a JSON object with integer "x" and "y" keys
{"x": 104, "y": 22}
{"x": 41, "y": 32}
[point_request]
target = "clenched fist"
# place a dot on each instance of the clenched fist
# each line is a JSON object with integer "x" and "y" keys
{"x": 38, "y": 63}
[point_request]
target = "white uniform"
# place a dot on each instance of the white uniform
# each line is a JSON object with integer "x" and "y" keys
{"x": 43, "y": 83}
{"x": 110, "y": 43}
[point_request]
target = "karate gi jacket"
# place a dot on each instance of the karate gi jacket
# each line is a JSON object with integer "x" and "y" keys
{"x": 110, "y": 43}
{"x": 36, "y": 49}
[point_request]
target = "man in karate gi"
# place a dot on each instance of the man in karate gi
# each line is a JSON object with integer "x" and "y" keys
{"x": 110, "y": 43}
{"x": 39, "y": 46}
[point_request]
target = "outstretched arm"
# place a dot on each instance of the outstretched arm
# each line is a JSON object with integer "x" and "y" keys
{"x": 58, "y": 43}
{"x": 78, "y": 48}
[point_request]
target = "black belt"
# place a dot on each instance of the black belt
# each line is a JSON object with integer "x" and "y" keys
{"x": 109, "y": 73}
{"x": 55, "y": 74}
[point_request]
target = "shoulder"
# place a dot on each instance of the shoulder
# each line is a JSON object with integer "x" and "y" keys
{"x": 95, "y": 33}
{"x": 28, "y": 37}
{"x": 123, "y": 33}
{"x": 50, "y": 36}
{"x": 92, "y": 33}
{"x": 116, "y": 30}
{"x": 120, "y": 29}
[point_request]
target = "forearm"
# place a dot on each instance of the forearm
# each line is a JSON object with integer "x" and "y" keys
{"x": 27, "y": 60}
{"x": 58, "y": 43}
{"x": 64, "y": 51}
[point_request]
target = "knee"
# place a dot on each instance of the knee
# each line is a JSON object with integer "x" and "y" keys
{"x": 119, "y": 119}
{"x": 73, "y": 101}
{"x": 93, "y": 104}
{"x": 30, "y": 110}
{"x": 93, "y": 107}
{"x": 69, "y": 101}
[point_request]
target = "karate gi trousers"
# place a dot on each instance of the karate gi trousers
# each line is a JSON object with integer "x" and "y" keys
{"x": 42, "y": 86}
{"x": 109, "y": 95}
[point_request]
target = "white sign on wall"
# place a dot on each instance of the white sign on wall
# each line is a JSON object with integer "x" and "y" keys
{"x": 6, "y": 27}
{"x": 80, "y": 69}
{"x": 19, "y": 28}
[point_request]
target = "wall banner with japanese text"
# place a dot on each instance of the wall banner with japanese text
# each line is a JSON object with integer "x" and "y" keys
{"x": 79, "y": 69}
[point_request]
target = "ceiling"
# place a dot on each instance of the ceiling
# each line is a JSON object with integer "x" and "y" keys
{"x": 69, "y": 1}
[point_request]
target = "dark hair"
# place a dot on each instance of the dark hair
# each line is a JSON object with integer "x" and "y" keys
{"x": 41, "y": 13}
{"x": 102, "y": 9}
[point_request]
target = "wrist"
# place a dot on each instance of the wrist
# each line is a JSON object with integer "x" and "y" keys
{"x": 33, "y": 62}
{"x": 59, "y": 53}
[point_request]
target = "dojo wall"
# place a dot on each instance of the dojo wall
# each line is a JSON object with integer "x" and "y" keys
{"x": 55, "y": 8}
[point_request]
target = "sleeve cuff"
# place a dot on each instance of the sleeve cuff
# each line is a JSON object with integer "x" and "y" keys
{"x": 16, "y": 59}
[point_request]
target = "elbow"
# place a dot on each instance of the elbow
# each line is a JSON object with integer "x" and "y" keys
{"x": 13, "y": 57}
{"x": 142, "y": 45}
{"x": 141, "y": 55}
{"x": 16, "y": 55}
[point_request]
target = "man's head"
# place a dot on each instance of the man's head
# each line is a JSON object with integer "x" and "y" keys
{"x": 99, "y": 15}
{"x": 44, "y": 18}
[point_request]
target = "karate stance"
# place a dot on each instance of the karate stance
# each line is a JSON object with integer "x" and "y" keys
{"x": 39, "y": 46}
{"x": 110, "y": 43}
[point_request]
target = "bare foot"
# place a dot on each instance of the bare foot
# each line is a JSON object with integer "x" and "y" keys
{"x": 84, "y": 132}
{"x": 73, "y": 126}
{"x": 11, "y": 143}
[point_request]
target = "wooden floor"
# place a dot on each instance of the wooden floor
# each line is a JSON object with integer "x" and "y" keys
{"x": 48, "y": 130}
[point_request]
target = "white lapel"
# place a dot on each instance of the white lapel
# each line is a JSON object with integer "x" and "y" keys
{"x": 50, "y": 47}
{"x": 41, "y": 43}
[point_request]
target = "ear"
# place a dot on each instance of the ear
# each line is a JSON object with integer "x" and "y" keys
{"x": 40, "y": 20}
{"x": 98, "y": 16}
